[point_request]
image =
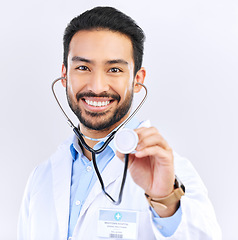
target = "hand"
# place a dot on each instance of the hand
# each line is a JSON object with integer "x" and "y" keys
{"x": 152, "y": 166}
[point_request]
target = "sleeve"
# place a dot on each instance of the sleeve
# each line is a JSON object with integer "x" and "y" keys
{"x": 167, "y": 226}
{"x": 198, "y": 219}
{"x": 23, "y": 219}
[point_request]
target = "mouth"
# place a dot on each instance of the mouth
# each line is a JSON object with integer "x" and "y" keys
{"x": 97, "y": 104}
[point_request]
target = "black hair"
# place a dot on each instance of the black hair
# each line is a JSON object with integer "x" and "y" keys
{"x": 111, "y": 19}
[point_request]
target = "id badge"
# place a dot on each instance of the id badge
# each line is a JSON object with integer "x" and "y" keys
{"x": 120, "y": 224}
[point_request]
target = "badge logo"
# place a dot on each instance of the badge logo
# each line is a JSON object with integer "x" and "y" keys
{"x": 118, "y": 216}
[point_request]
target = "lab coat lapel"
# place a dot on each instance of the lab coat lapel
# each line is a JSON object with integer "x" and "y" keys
{"x": 61, "y": 172}
{"x": 113, "y": 170}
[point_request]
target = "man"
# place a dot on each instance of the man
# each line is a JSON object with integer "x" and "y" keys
{"x": 103, "y": 50}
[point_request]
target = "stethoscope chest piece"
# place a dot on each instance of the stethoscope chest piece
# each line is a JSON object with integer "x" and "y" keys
{"x": 126, "y": 140}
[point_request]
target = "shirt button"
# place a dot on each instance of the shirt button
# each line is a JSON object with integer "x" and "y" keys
{"x": 159, "y": 226}
{"x": 77, "y": 202}
{"x": 89, "y": 168}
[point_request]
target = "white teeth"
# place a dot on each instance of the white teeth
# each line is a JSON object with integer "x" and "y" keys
{"x": 97, "y": 104}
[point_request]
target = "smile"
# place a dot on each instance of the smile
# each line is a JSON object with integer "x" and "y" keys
{"x": 97, "y": 103}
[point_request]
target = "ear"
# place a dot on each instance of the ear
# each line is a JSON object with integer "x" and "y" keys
{"x": 64, "y": 74}
{"x": 139, "y": 78}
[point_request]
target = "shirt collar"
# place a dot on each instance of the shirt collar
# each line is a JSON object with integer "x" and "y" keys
{"x": 76, "y": 150}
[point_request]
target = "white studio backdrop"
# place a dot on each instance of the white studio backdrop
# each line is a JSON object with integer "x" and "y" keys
{"x": 191, "y": 57}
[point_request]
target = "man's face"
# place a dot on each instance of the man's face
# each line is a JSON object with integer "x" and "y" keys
{"x": 100, "y": 78}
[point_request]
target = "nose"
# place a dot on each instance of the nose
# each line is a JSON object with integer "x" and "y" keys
{"x": 98, "y": 83}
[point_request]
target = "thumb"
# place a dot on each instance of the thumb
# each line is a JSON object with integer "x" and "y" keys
{"x": 120, "y": 155}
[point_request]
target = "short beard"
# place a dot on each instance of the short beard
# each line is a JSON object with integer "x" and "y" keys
{"x": 119, "y": 113}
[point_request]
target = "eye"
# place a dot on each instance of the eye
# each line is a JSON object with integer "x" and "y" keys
{"x": 83, "y": 68}
{"x": 115, "y": 70}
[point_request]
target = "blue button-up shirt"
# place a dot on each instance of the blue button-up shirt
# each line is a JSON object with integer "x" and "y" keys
{"x": 83, "y": 178}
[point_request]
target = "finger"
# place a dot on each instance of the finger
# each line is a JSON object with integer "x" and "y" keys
{"x": 148, "y": 129}
{"x": 165, "y": 156}
{"x": 149, "y": 137}
{"x": 152, "y": 140}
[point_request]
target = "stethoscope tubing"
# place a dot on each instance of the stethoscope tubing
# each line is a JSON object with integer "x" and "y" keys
{"x": 79, "y": 135}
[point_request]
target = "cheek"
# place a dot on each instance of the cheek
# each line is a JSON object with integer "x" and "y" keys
{"x": 70, "y": 89}
{"x": 125, "y": 93}
{"x": 73, "y": 86}
{"x": 127, "y": 88}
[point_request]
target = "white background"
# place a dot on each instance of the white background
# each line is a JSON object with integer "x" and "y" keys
{"x": 191, "y": 56}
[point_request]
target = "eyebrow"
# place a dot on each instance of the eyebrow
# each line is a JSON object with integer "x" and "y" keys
{"x": 80, "y": 59}
{"x": 121, "y": 61}
{"x": 109, "y": 62}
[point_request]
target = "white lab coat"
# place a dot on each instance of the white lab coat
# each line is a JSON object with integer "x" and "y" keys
{"x": 44, "y": 213}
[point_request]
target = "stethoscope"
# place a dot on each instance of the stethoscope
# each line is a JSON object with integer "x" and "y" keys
{"x": 128, "y": 133}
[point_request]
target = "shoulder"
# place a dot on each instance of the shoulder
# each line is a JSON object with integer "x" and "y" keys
{"x": 43, "y": 171}
{"x": 62, "y": 150}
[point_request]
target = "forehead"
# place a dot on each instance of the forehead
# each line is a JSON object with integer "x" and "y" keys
{"x": 101, "y": 45}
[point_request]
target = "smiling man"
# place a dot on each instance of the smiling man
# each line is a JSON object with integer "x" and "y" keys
{"x": 103, "y": 51}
